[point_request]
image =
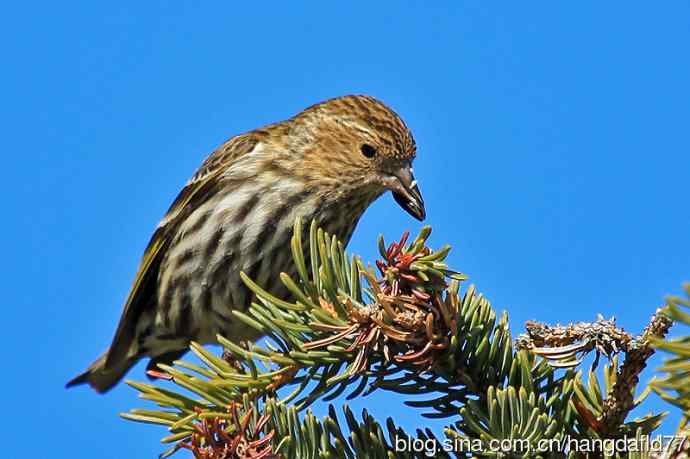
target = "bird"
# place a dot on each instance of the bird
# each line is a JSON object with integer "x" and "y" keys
{"x": 327, "y": 163}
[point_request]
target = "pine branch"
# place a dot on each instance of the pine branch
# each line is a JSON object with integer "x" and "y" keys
{"x": 619, "y": 401}
{"x": 328, "y": 335}
{"x": 566, "y": 346}
{"x": 409, "y": 328}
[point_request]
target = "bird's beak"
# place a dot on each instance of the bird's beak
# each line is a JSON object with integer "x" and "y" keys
{"x": 406, "y": 192}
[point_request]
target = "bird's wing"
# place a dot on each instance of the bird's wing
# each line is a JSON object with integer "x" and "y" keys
{"x": 144, "y": 289}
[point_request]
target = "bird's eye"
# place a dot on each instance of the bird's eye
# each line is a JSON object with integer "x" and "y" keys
{"x": 368, "y": 150}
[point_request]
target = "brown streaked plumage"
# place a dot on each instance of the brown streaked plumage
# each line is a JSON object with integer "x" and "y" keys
{"x": 327, "y": 163}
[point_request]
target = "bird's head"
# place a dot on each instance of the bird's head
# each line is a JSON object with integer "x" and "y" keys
{"x": 357, "y": 145}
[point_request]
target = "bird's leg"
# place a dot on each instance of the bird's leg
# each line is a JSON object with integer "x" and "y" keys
{"x": 233, "y": 361}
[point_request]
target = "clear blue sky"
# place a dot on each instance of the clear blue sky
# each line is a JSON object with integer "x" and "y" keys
{"x": 553, "y": 155}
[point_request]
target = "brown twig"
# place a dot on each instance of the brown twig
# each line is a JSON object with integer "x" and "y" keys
{"x": 565, "y": 345}
{"x": 620, "y": 400}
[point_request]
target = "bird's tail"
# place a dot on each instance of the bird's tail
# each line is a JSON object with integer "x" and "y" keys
{"x": 103, "y": 378}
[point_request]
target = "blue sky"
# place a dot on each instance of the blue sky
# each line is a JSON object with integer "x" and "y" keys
{"x": 552, "y": 154}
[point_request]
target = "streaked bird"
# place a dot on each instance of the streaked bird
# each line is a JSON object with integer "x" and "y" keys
{"x": 327, "y": 163}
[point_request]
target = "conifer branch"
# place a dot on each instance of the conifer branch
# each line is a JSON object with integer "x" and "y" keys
{"x": 566, "y": 346}
{"x": 407, "y": 326}
{"x": 620, "y": 400}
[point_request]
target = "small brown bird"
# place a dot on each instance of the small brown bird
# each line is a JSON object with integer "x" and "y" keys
{"x": 328, "y": 163}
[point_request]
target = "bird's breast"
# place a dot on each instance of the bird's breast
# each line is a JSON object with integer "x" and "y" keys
{"x": 246, "y": 228}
